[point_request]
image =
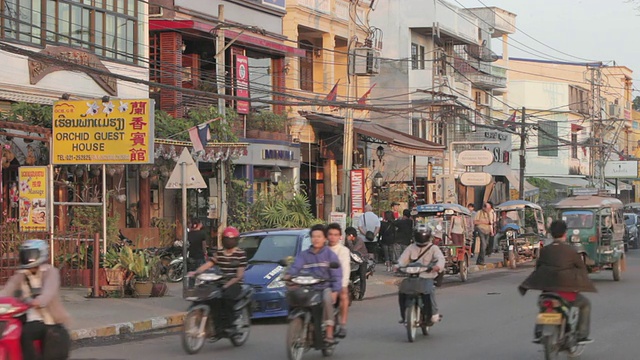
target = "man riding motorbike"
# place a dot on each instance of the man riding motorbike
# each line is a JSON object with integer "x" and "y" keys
{"x": 231, "y": 261}
{"x": 560, "y": 269}
{"x": 354, "y": 243}
{"x": 37, "y": 283}
{"x": 422, "y": 251}
{"x": 316, "y": 260}
{"x": 335, "y": 234}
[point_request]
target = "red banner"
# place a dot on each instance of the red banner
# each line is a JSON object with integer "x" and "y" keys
{"x": 242, "y": 83}
{"x": 357, "y": 191}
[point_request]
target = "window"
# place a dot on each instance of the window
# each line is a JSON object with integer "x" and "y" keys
{"x": 306, "y": 66}
{"x": 422, "y": 59}
{"x": 414, "y": 56}
{"x": 110, "y": 29}
{"x": 437, "y": 134}
{"x": 547, "y": 138}
{"x": 574, "y": 145}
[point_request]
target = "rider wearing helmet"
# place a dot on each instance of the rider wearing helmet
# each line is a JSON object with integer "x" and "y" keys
{"x": 38, "y": 284}
{"x": 232, "y": 261}
{"x": 423, "y": 251}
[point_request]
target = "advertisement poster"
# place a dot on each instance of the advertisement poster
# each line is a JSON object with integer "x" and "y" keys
{"x": 242, "y": 83}
{"x": 33, "y": 198}
{"x": 357, "y": 191}
{"x": 446, "y": 189}
{"x": 98, "y": 132}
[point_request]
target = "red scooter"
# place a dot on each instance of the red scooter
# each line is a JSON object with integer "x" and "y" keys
{"x": 11, "y": 309}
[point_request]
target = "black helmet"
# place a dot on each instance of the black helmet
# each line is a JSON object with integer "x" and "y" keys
{"x": 422, "y": 234}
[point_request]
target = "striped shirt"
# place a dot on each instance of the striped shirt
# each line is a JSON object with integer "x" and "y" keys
{"x": 225, "y": 261}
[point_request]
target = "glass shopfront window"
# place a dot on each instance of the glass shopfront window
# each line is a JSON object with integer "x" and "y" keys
{"x": 109, "y": 28}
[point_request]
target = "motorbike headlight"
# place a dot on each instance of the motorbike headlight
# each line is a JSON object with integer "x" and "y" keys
{"x": 305, "y": 280}
{"x": 209, "y": 277}
{"x": 510, "y": 233}
{"x": 277, "y": 283}
{"x": 412, "y": 269}
{"x": 575, "y": 238}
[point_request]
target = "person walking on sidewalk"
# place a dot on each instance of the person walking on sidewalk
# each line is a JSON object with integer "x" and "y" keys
{"x": 471, "y": 225}
{"x": 197, "y": 244}
{"x": 38, "y": 283}
{"x": 404, "y": 232}
{"x": 395, "y": 208}
{"x": 388, "y": 240}
{"x": 369, "y": 224}
{"x": 457, "y": 230}
{"x": 485, "y": 230}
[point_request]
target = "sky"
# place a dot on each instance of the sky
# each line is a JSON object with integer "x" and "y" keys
{"x": 601, "y": 30}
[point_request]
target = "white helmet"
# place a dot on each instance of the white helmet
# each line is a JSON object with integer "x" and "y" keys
{"x": 33, "y": 253}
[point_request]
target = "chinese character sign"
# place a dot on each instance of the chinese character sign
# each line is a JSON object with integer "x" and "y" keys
{"x": 97, "y": 132}
{"x": 33, "y": 210}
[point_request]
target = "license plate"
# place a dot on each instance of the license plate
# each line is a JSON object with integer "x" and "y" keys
{"x": 549, "y": 319}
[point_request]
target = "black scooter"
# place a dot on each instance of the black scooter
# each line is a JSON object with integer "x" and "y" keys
{"x": 355, "y": 286}
{"x": 201, "y": 322}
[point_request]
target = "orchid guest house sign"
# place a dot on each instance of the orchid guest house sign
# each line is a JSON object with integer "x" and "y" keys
{"x": 39, "y": 69}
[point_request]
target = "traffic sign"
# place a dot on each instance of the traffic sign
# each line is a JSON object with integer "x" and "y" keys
{"x": 475, "y": 158}
{"x": 193, "y": 177}
{"x": 475, "y": 179}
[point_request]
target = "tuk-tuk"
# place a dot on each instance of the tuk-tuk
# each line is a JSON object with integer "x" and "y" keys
{"x": 632, "y": 208}
{"x": 438, "y": 218}
{"x": 596, "y": 230}
{"x": 520, "y": 231}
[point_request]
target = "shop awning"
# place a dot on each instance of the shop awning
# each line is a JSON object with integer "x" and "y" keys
{"x": 262, "y": 43}
{"x": 567, "y": 181}
{"x": 514, "y": 183}
{"x": 396, "y": 140}
{"x": 622, "y": 186}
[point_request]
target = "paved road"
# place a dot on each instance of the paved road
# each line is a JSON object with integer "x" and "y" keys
{"x": 483, "y": 319}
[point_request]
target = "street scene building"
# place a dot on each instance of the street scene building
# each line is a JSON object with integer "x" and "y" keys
{"x": 161, "y": 154}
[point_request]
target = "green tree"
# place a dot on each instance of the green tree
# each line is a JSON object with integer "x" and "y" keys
{"x": 32, "y": 114}
{"x": 168, "y": 127}
{"x": 636, "y": 103}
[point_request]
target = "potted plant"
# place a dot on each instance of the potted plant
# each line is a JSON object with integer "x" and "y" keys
{"x": 141, "y": 267}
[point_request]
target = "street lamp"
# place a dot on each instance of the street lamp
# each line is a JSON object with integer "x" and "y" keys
{"x": 380, "y": 153}
{"x": 377, "y": 180}
{"x": 276, "y": 173}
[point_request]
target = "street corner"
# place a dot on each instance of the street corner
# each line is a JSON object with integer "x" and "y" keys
{"x": 156, "y": 323}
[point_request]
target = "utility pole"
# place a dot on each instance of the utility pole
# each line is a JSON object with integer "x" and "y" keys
{"x": 347, "y": 149}
{"x": 597, "y": 141}
{"x": 221, "y": 82}
{"x": 523, "y": 159}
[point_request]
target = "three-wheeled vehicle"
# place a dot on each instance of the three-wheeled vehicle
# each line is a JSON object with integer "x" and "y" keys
{"x": 439, "y": 218}
{"x": 596, "y": 230}
{"x": 521, "y": 231}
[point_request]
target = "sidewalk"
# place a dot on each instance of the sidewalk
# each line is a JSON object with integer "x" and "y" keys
{"x": 92, "y": 318}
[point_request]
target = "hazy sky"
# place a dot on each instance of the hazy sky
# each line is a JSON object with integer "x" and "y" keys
{"x": 600, "y": 30}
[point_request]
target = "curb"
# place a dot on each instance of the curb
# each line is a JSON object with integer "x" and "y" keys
{"x": 160, "y": 322}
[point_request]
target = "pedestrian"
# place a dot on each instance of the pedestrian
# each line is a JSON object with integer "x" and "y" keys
{"x": 197, "y": 247}
{"x": 395, "y": 208}
{"x": 491, "y": 246}
{"x": 404, "y": 232}
{"x": 388, "y": 240}
{"x": 457, "y": 230}
{"x": 368, "y": 229}
{"x": 485, "y": 229}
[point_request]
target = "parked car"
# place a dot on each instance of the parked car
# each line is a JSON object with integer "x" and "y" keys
{"x": 265, "y": 249}
{"x": 632, "y": 222}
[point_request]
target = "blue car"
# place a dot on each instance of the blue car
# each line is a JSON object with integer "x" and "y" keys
{"x": 265, "y": 249}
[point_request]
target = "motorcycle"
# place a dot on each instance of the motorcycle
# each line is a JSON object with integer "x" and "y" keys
{"x": 200, "y": 323}
{"x": 11, "y": 312}
{"x": 558, "y": 323}
{"x": 167, "y": 257}
{"x": 305, "y": 329}
{"x": 355, "y": 289}
{"x": 417, "y": 314}
{"x": 176, "y": 270}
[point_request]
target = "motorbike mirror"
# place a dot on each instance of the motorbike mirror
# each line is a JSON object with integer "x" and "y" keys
{"x": 334, "y": 265}
{"x": 283, "y": 263}
{"x": 17, "y": 294}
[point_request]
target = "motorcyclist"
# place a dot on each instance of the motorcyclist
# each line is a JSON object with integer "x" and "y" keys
{"x": 231, "y": 261}
{"x": 560, "y": 269}
{"x": 354, "y": 243}
{"x": 38, "y": 284}
{"x": 423, "y": 251}
{"x": 334, "y": 232}
{"x": 316, "y": 260}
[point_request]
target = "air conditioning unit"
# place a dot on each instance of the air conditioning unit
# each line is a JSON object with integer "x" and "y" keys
{"x": 366, "y": 61}
{"x": 614, "y": 111}
{"x": 155, "y": 11}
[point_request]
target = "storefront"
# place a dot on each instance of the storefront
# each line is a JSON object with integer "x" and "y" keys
{"x": 263, "y": 156}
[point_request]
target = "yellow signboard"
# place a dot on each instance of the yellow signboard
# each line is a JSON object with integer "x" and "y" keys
{"x": 33, "y": 198}
{"x": 97, "y": 132}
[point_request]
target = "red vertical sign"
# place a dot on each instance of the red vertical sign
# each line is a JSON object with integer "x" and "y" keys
{"x": 242, "y": 83}
{"x": 357, "y": 191}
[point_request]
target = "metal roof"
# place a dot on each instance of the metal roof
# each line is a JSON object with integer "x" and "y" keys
{"x": 517, "y": 204}
{"x": 588, "y": 201}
